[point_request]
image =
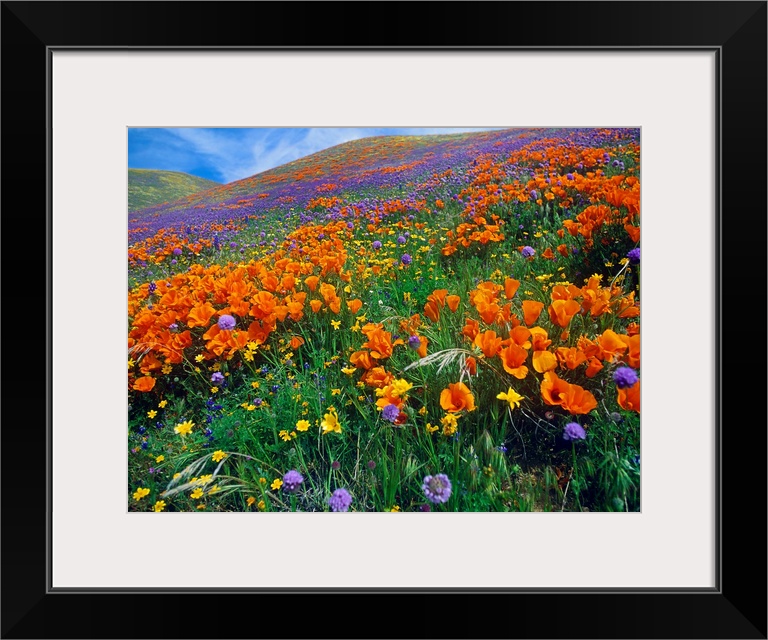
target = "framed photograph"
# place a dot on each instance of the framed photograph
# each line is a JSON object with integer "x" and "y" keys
{"x": 391, "y": 239}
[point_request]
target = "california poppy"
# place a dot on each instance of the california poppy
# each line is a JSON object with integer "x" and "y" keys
{"x": 457, "y": 397}
{"x": 561, "y": 311}
{"x": 146, "y": 383}
{"x": 629, "y": 398}
{"x": 512, "y": 359}
{"x": 489, "y": 343}
{"x": 531, "y": 311}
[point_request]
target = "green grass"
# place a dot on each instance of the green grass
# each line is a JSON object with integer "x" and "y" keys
{"x": 148, "y": 187}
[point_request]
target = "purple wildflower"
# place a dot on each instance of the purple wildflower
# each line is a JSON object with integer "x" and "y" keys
{"x": 634, "y": 256}
{"x": 414, "y": 342}
{"x": 376, "y": 245}
{"x": 528, "y": 252}
{"x": 340, "y": 500}
{"x": 177, "y": 251}
{"x": 390, "y": 412}
{"x": 401, "y": 240}
{"x": 437, "y": 488}
{"x": 574, "y": 431}
{"x": 292, "y": 480}
{"x": 625, "y": 377}
{"x": 335, "y": 465}
{"x": 217, "y": 377}
{"x": 226, "y": 322}
{"x": 371, "y": 465}
{"x": 406, "y": 259}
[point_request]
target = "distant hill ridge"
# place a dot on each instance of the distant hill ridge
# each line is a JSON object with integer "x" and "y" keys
{"x": 150, "y": 187}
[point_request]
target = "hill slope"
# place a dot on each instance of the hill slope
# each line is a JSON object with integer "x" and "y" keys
{"x": 149, "y": 187}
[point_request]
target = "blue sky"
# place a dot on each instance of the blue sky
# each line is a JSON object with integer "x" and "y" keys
{"x": 224, "y": 154}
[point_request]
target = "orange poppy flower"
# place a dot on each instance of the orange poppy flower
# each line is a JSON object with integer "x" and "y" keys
{"x": 471, "y": 329}
{"x": 578, "y": 400}
{"x": 311, "y": 282}
{"x": 561, "y": 311}
{"x": 611, "y": 344}
{"x": 150, "y": 363}
{"x": 544, "y": 361}
{"x": 354, "y": 305}
{"x": 457, "y": 397}
{"x": 200, "y": 315}
{"x": 315, "y": 304}
{"x": 629, "y": 399}
{"x": 471, "y": 365}
{"x": 594, "y": 367}
{"x": 296, "y": 342}
{"x": 423, "y": 344}
{"x": 539, "y": 339}
{"x": 510, "y": 287}
{"x": 512, "y": 359}
{"x": 531, "y": 311}
{"x": 553, "y": 389}
{"x": 548, "y": 254}
{"x": 627, "y": 308}
{"x": 263, "y": 305}
{"x": 258, "y": 333}
{"x": 380, "y": 343}
{"x": 432, "y": 311}
{"x": 634, "y": 232}
{"x": 570, "y": 357}
{"x": 452, "y": 302}
{"x": 571, "y": 397}
{"x": 520, "y": 336}
{"x": 632, "y": 357}
{"x": 562, "y": 250}
{"x": 146, "y": 383}
{"x": 489, "y": 343}
{"x": 377, "y": 377}
{"x": 361, "y": 359}
{"x": 488, "y": 311}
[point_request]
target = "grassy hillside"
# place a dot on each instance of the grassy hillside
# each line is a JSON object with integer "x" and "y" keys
{"x": 394, "y": 324}
{"x": 148, "y": 187}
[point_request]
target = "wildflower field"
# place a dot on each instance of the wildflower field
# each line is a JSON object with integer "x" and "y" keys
{"x": 400, "y": 323}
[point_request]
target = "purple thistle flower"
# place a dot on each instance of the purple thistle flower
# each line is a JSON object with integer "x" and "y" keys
{"x": 376, "y": 245}
{"x": 217, "y": 378}
{"x": 226, "y": 322}
{"x": 335, "y": 465}
{"x": 177, "y": 251}
{"x": 437, "y": 488}
{"x": 390, "y": 412}
{"x": 528, "y": 252}
{"x": 414, "y": 342}
{"x": 340, "y": 500}
{"x": 371, "y": 465}
{"x": 574, "y": 431}
{"x": 292, "y": 480}
{"x": 406, "y": 259}
{"x": 625, "y": 377}
{"x": 634, "y": 256}
{"x": 401, "y": 240}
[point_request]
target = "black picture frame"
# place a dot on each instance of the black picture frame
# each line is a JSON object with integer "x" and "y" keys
{"x": 736, "y": 608}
